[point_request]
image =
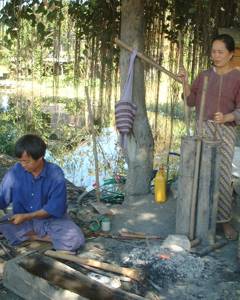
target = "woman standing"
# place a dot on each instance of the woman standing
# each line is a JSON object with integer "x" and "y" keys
{"x": 221, "y": 115}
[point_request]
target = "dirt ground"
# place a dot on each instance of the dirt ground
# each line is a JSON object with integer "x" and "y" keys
{"x": 168, "y": 274}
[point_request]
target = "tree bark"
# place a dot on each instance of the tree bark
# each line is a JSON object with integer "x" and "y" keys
{"x": 140, "y": 142}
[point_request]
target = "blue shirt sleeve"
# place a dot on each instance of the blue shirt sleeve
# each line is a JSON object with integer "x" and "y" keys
{"x": 56, "y": 204}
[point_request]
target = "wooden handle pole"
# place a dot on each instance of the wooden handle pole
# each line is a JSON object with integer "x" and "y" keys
{"x": 148, "y": 60}
{"x": 129, "y": 272}
{"x": 186, "y": 108}
{"x": 202, "y": 106}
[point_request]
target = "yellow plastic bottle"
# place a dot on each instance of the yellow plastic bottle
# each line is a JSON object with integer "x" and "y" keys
{"x": 160, "y": 186}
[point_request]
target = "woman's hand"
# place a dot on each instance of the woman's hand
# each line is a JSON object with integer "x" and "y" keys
{"x": 182, "y": 75}
{"x": 220, "y": 118}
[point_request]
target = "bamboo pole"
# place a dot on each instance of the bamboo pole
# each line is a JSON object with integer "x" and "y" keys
{"x": 148, "y": 60}
{"x": 186, "y": 108}
{"x": 91, "y": 123}
{"x": 197, "y": 162}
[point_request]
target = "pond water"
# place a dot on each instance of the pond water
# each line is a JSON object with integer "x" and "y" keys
{"x": 79, "y": 165}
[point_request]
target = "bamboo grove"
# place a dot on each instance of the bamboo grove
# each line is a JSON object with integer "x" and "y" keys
{"x": 82, "y": 33}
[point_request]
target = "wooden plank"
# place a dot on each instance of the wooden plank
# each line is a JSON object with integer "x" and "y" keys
{"x": 39, "y": 277}
{"x": 208, "y": 192}
{"x": 129, "y": 272}
{"x": 185, "y": 182}
{"x": 29, "y": 286}
{"x": 138, "y": 235}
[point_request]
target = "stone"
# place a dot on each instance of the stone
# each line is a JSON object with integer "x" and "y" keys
{"x": 177, "y": 243}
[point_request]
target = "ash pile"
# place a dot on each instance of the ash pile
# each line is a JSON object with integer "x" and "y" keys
{"x": 165, "y": 265}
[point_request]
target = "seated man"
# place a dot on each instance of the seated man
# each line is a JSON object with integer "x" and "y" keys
{"x": 37, "y": 190}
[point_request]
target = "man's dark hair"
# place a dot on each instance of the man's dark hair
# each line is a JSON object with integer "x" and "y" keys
{"x": 227, "y": 40}
{"x": 32, "y": 144}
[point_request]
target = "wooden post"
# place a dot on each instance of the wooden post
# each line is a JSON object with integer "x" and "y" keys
{"x": 198, "y": 184}
{"x": 91, "y": 122}
{"x": 185, "y": 183}
{"x": 205, "y": 211}
{"x": 208, "y": 192}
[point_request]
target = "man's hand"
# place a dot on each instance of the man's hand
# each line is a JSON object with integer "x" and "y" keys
{"x": 19, "y": 218}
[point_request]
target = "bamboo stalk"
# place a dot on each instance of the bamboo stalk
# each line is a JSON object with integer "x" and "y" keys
{"x": 94, "y": 144}
{"x": 197, "y": 162}
{"x": 186, "y": 108}
{"x": 129, "y": 272}
{"x": 148, "y": 60}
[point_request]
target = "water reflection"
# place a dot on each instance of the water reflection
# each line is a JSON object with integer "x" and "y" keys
{"x": 79, "y": 166}
{"x": 4, "y": 102}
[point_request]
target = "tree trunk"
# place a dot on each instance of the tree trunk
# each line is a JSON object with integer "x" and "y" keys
{"x": 140, "y": 142}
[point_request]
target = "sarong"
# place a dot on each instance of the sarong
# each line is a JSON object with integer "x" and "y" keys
{"x": 227, "y": 136}
{"x": 63, "y": 232}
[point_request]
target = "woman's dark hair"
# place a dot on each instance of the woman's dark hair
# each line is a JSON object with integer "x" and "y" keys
{"x": 32, "y": 144}
{"x": 227, "y": 40}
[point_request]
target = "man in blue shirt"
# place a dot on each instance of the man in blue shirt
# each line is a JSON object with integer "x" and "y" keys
{"x": 37, "y": 190}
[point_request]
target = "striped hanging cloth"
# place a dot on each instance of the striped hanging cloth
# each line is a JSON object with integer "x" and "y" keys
{"x": 125, "y": 109}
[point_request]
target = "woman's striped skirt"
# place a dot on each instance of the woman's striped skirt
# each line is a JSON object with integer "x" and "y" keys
{"x": 227, "y": 136}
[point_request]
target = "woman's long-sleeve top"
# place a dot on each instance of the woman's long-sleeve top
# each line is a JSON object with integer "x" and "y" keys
{"x": 225, "y": 101}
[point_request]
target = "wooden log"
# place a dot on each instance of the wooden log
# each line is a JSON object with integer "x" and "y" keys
{"x": 129, "y": 272}
{"x": 42, "y": 278}
{"x": 211, "y": 248}
{"x": 126, "y": 236}
{"x": 108, "y": 274}
{"x": 208, "y": 192}
{"x": 148, "y": 60}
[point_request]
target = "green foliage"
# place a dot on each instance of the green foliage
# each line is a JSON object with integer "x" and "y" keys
{"x": 18, "y": 120}
{"x": 7, "y": 133}
{"x": 41, "y": 32}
